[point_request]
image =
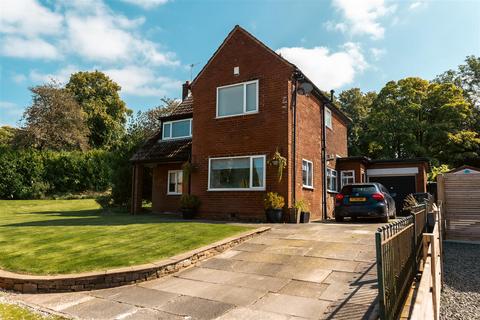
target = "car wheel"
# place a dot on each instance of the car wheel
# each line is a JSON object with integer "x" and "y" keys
{"x": 394, "y": 215}
{"x": 384, "y": 219}
{"x": 338, "y": 219}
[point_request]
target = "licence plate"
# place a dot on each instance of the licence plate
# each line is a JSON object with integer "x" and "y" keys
{"x": 358, "y": 199}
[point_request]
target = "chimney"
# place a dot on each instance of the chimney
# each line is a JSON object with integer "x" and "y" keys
{"x": 185, "y": 89}
{"x": 332, "y": 92}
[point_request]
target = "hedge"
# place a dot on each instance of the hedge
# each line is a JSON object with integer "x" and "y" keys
{"x": 32, "y": 174}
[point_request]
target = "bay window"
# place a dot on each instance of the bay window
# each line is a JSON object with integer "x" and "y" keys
{"x": 236, "y": 173}
{"x": 237, "y": 99}
{"x": 177, "y": 129}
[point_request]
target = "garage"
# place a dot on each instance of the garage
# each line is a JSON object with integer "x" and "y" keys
{"x": 402, "y": 186}
{"x": 399, "y": 176}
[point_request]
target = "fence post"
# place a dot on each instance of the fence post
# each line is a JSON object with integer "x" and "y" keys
{"x": 381, "y": 285}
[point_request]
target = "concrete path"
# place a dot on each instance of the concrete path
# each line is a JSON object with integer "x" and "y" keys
{"x": 312, "y": 271}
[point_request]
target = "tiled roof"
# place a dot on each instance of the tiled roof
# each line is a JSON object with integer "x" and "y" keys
{"x": 157, "y": 150}
{"x": 183, "y": 109}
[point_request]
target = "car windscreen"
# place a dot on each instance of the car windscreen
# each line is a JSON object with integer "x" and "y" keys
{"x": 363, "y": 189}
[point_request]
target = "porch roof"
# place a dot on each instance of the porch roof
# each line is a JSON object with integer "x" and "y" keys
{"x": 162, "y": 151}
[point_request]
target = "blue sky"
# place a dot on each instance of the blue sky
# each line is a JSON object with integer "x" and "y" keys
{"x": 147, "y": 46}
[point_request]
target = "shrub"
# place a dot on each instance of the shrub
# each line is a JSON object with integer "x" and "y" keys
{"x": 301, "y": 205}
{"x": 273, "y": 201}
{"x": 188, "y": 201}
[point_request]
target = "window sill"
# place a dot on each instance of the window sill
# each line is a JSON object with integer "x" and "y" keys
{"x": 334, "y": 192}
{"x": 237, "y": 189}
{"x": 237, "y": 115}
{"x": 174, "y": 194}
{"x": 308, "y": 188}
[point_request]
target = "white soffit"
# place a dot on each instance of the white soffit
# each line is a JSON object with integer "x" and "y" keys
{"x": 392, "y": 172}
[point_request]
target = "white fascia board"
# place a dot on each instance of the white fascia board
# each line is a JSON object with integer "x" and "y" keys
{"x": 392, "y": 172}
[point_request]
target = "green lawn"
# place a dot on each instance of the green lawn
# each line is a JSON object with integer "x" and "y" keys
{"x": 67, "y": 236}
{"x": 14, "y": 312}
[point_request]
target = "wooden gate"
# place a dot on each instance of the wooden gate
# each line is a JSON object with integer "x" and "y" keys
{"x": 460, "y": 195}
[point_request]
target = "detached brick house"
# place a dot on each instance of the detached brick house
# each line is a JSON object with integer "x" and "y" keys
{"x": 246, "y": 103}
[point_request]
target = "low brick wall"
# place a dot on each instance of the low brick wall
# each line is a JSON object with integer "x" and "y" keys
{"x": 118, "y": 277}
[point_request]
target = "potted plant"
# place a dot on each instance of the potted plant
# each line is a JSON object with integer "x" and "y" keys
{"x": 189, "y": 205}
{"x": 302, "y": 211}
{"x": 274, "y": 204}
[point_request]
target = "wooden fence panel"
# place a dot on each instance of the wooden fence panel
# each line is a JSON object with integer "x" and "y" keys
{"x": 460, "y": 195}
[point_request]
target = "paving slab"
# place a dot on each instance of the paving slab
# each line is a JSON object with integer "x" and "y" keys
{"x": 250, "y": 314}
{"x": 136, "y": 295}
{"x": 151, "y": 314}
{"x": 196, "y": 308}
{"x": 292, "y": 305}
{"x": 55, "y": 301}
{"x": 304, "y": 289}
{"x": 100, "y": 309}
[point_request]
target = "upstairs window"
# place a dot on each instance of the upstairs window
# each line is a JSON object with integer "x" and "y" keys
{"x": 307, "y": 174}
{"x": 237, "y": 99}
{"x": 177, "y": 129}
{"x": 328, "y": 118}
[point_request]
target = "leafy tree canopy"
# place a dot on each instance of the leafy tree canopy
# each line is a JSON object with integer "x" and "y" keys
{"x": 106, "y": 113}
{"x": 53, "y": 121}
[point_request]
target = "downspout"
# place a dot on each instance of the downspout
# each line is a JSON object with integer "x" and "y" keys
{"x": 324, "y": 163}
{"x": 294, "y": 137}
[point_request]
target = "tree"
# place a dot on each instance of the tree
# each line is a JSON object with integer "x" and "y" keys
{"x": 7, "y": 135}
{"x": 54, "y": 120}
{"x": 106, "y": 113}
{"x": 357, "y": 105}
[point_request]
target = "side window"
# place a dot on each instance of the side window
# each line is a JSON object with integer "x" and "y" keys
{"x": 328, "y": 118}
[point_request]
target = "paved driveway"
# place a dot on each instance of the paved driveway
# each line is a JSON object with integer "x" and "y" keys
{"x": 313, "y": 271}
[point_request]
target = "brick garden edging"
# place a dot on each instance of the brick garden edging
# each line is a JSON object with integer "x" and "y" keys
{"x": 122, "y": 276}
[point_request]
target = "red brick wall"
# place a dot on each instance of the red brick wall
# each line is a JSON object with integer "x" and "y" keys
{"x": 259, "y": 133}
{"x": 161, "y": 201}
{"x": 309, "y": 147}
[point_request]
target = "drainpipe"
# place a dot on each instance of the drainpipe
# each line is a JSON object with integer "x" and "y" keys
{"x": 294, "y": 137}
{"x": 324, "y": 163}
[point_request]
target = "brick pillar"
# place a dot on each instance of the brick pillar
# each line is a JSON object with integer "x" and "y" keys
{"x": 137, "y": 185}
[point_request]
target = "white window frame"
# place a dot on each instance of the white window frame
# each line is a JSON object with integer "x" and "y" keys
{"x": 171, "y": 123}
{"x": 342, "y": 174}
{"x": 330, "y": 123}
{"x": 331, "y": 177}
{"x": 244, "y": 98}
{"x": 178, "y": 192}
{"x": 306, "y": 186}
{"x": 250, "y": 188}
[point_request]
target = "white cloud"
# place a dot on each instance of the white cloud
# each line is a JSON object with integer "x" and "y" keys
{"x": 146, "y": 4}
{"x": 28, "y": 18}
{"x": 377, "y": 53}
{"x": 142, "y": 81}
{"x": 417, "y": 5}
{"x": 61, "y": 76}
{"x": 361, "y": 17}
{"x": 85, "y": 28}
{"x": 327, "y": 70}
{"x": 31, "y": 48}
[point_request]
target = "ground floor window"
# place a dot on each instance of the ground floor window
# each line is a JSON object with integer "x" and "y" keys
{"x": 307, "y": 174}
{"x": 175, "y": 182}
{"x": 348, "y": 176}
{"x": 332, "y": 184}
{"x": 237, "y": 173}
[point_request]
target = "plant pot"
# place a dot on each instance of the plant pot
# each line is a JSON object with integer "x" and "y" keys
{"x": 188, "y": 213}
{"x": 305, "y": 217}
{"x": 274, "y": 215}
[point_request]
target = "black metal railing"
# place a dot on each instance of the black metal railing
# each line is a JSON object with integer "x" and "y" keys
{"x": 399, "y": 249}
